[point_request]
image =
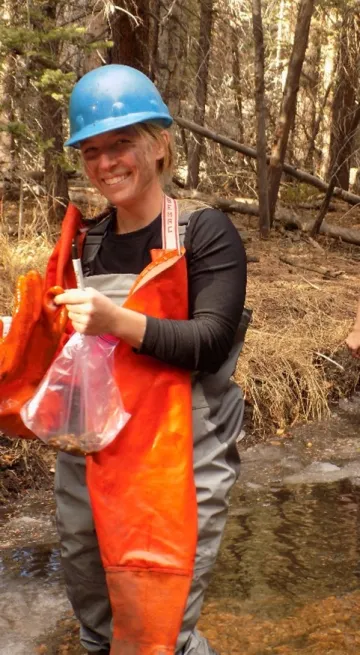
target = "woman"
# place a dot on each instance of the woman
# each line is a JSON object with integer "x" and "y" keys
{"x": 185, "y": 334}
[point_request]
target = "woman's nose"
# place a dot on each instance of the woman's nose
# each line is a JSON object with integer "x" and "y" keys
{"x": 105, "y": 161}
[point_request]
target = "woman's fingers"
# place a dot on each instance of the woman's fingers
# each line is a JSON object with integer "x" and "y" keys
{"x": 78, "y": 316}
{"x": 73, "y": 297}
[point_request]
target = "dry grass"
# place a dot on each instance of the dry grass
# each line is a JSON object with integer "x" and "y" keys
{"x": 284, "y": 378}
{"x": 297, "y": 314}
{"x": 17, "y": 257}
{"x": 24, "y": 465}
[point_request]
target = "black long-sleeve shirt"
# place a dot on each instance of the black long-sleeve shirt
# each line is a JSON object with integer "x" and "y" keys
{"x": 216, "y": 263}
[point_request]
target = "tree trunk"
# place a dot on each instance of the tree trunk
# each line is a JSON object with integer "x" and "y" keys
{"x": 154, "y": 31}
{"x": 206, "y": 20}
{"x": 280, "y": 47}
{"x": 8, "y": 152}
{"x": 328, "y": 75}
{"x": 170, "y": 55}
{"x": 237, "y": 84}
{"x": 264, "y": 218}
{"x": 97, "y": 26}
{"x": 310, "y": 95}
{"x": 130, "y": 35}
{"x": 345, "y": 99}
{"x": 8, "y": 145}
{"x": 288, "y": 107}
{"x": 55, "y": 179}
{"x": 310, "y": 156}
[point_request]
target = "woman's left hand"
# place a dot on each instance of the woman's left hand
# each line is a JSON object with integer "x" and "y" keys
{"x": 90, "y": 311}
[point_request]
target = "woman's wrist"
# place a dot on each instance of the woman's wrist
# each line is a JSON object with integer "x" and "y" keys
{"x": 129, "y": 326}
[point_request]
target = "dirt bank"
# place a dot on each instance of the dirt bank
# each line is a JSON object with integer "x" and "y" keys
{"x": 24, "y": 465}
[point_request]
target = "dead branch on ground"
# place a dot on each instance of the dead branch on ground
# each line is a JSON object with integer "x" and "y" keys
{"x": 325, "y": 272}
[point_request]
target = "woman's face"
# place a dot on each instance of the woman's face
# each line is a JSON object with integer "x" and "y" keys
{"x": 122, "y": 164}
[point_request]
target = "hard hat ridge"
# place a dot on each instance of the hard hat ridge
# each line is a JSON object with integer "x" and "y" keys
{"x": 112, "y": 97}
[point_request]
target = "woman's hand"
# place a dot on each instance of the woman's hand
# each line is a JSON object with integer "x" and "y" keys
{"x": 353, "y": 342}
{"x": 93, "y": 313}
{"x": 90, "y": 311}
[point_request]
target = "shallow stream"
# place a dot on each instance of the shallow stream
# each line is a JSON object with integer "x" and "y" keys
{"x": 288, "y": 576}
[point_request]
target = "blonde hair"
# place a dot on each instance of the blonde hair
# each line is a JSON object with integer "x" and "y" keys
{"x": 156, "y": 132}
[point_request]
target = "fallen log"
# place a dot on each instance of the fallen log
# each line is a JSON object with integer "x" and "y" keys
{"x": 227, "y": 205}
{"x": 316, "y": 204}
{"x": 333, "y": 231}
{"x": 298, "y": 174}
{"x": 343, "y": 233}
{"x": 288, "y": 218}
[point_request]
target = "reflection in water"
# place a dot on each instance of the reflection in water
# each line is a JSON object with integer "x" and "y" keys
{"x": 300, "y": 542}
{"x": 287, "y": 553}
{"x": 40, "y": 561}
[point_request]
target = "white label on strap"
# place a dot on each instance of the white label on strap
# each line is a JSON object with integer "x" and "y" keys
{"x": 170, "y": 225}
{"x": 6, "y": 324}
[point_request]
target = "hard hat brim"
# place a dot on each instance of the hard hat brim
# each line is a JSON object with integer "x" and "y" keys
{"x": 115, "y": 123}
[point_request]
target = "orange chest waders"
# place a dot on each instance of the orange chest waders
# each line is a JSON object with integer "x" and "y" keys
{"x": 142, "y": 486}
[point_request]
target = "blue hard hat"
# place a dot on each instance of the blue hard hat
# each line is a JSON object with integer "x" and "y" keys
{"x": 111, "y": 97}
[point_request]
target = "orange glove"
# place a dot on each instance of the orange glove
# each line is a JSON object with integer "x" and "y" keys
{"x": 28, "y": 349}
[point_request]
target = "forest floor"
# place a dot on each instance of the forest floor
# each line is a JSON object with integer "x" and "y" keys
{"x": 302, "y": 313}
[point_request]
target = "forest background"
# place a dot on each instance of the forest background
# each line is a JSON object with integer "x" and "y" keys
{"x": 265, "y": 96}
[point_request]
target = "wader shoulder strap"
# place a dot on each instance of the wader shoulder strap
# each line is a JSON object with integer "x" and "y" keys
{"x": 92, "y": 242}
{"x": 184, "y": 220}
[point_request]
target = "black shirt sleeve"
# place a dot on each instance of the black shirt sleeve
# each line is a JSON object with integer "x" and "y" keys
{"x": 216, "y": 263}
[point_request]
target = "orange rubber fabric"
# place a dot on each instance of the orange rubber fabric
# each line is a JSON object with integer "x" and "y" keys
{"x": 142, "y": 486}
{"x": 37, "y": 331}
{"x": 28, "y": 349}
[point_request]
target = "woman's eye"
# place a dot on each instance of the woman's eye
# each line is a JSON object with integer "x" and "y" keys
{"x": 89, "y": 152}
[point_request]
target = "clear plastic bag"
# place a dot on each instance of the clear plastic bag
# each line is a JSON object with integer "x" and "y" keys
{"x": 77, "y": 407}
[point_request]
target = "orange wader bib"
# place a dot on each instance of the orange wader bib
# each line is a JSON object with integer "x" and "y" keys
{"x": 142, "y": 486}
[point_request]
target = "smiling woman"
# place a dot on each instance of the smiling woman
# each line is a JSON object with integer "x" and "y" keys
{"x": 124, "y": 166}
{"x": 140, "y": 522}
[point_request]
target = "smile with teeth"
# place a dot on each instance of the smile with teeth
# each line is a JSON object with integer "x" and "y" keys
{"x": 111, "y": 181}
